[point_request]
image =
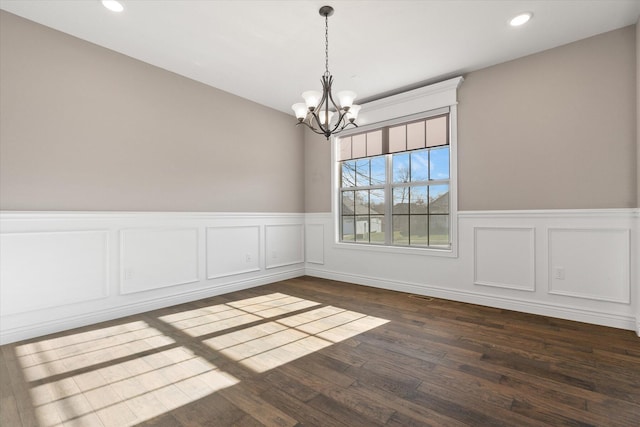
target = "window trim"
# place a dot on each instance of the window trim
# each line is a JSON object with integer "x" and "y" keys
{"x": 417, "y": 104}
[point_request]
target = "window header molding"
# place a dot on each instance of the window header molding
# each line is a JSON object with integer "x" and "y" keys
{"x": 437, "y": 95}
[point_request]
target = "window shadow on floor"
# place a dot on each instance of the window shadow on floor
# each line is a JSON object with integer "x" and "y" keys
{"x": 139, "y": 369}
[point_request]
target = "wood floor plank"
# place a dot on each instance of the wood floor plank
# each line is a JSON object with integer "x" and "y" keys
{"x": 164, "y": 420}
{"x": 364, "y": 401}
{"x": 5, "y": 384}
{"x": 468, "y": 409}
{"x": 317, "y": 352}
{"x": 19, "y": 387}
{"x": 257, "y": 407}
{"x": 385, "y": 376}
{"x": 340, "y": 412}
{"x": 9, "y": 414}
{"x": 214, "y": 410}
{"x": 280, "y": 382}
{"x": 300, "y": 409}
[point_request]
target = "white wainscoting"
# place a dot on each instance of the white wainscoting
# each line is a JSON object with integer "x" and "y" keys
{"x": 67, "y": 269}
{"x": 31, "y": 263}
{"x": 505, "y": 257}
{"x": 232, "y": 250}
{"x": 284, "y": 245}
{"x": 157, "y": 258}
{"x": 510, "y": 260}
{"x": 314, "y": 243}
{"x": 590, "y": 263}
{"x": 63, "y": 270}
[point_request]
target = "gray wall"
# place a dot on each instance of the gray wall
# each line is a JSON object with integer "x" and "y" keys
{"x": 317, "y": 164}
{"x": 86, "y": 128}
{"x": 554, "y": 130}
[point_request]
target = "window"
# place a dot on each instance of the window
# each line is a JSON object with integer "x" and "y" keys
{"x": 394, "y": 184}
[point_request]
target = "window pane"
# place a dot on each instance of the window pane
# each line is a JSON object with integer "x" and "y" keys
{"x": 378, "y": 170}
{"x": 345, "y": 148}
{"x": 348, "y": 229}
{"x": 439, "y": 230}
{"x": 374, "y": 143}
{"x": 415, "y": 136}
{"x": 376, "y": 229}
{"x": 362, "y": 202}
{"x": 401, "y": 200}
{"x": 418, "y": 228}
{"x": 439, "y": 199}
{"x": 401, "y": 229}
{"x": 363, "y": 177}
{"x": 439, "y": 163}
{"x": 412, "y": 200}
{"x": 401, "y": 167}
{"x": 437, "y": 131}
{"x": 348, "y": 174}
{"x": 420, "y": 165}
{"x": 376, "y": 202}
{"x": 419, "y": 200}
{"x": 362, "y": 228}
{"x": 348, "y": 203}
{"x": 359, "y": 146}
{"x": 397, "y": 139}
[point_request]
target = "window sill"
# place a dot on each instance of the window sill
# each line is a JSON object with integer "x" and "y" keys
{"x": 404, "y": 250}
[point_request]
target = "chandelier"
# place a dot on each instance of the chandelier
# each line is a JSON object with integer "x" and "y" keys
{"x": 318, "y": 111}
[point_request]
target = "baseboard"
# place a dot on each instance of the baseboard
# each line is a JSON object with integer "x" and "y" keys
{"x": 44, "y": 328}
{"x": 551, "y": 310}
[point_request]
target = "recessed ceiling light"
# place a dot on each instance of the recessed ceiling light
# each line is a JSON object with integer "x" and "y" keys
{"x": 520, "y": 19}
{"x": 113, "y": 5}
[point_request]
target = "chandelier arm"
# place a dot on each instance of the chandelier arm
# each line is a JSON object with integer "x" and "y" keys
{"x": 323, "y": 129}
{"x": 327, "y": 81}
{"x": 326, "y": 88}
{"x": 336, "y": 131}
{"x": 312, "y": 128}
{"x": 309, "y": 122}
{"x": 347, "y": 124}
{"x": 330, "y": 95}
{"x": 340, "y": 120}
{"x": 323, "y": 105}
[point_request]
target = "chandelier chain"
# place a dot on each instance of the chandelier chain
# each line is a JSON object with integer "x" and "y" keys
{"x": 326, "y": 44}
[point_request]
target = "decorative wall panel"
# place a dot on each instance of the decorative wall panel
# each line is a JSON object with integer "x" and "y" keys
{"x": 505, "y": 257}
{"x": 314, "y": 243}
{"x": 590, "y": 263}
{"x": 232, "y": 250}
{"x": 284, "y": 245}
{"x": 47, "y": 269}
{"x": 157, "y": 258}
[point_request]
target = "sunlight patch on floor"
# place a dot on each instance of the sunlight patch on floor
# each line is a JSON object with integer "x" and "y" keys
{"x": 130, "y": 392}
{"x": 129, "y": 373}
{"x": 43, "y": 359}
{"x": 215, "y": 318}
{"x": 269, "y": 345}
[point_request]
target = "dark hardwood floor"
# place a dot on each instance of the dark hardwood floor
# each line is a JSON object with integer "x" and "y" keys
{"x": 316, "y": 352}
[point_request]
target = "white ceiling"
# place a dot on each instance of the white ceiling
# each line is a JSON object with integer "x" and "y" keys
{"x": 270, "y": 51}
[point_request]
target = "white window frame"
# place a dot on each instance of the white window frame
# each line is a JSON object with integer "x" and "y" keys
{"x": 397, "y": 109}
